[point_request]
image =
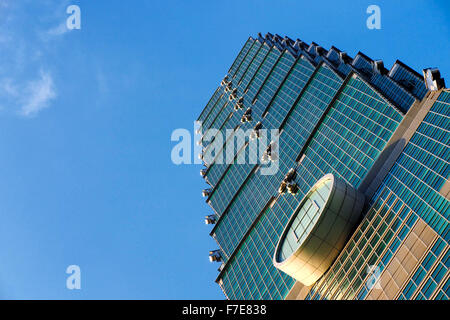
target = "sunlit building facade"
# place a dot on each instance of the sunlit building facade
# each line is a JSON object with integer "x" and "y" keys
{"x": 358, "y": 207}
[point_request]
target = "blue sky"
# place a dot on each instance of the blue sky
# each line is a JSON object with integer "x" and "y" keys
{"x": 86, "y": 118}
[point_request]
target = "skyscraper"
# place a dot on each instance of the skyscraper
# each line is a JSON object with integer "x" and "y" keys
{"x": 358, "y": 206}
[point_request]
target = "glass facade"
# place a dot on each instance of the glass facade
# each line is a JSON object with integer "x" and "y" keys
{"x": 356, "y": 120}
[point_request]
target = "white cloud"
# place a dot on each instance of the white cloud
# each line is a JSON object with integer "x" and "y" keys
{"x": 8, "y": 88}
{"x": 38, "y": 94}
{"x": 58, "y": 30}
{"x": 61, "y": 28}
{"x": 26, "y": 83}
